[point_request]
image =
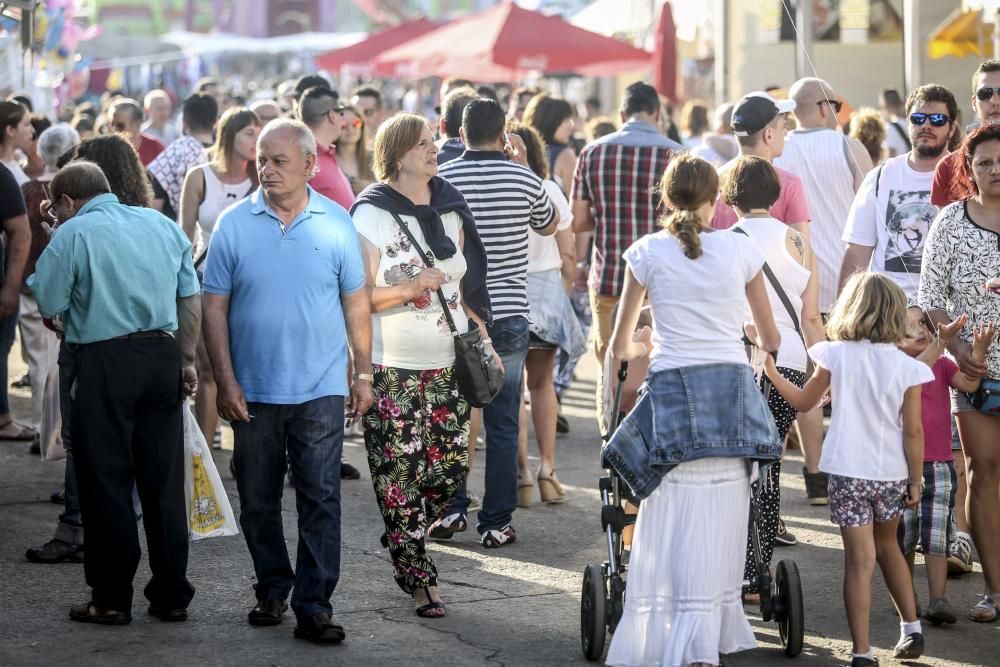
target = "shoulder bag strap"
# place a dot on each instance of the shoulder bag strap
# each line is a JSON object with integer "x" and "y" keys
{"x": 773, "y": 279}
{"x": 428, "y": 258}
{"x": 902, "y": 134}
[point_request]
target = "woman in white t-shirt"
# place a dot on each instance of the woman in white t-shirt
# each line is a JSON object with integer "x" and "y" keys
{"x": 207, "y": 191}
{"x": 751, "y": 187}
{"x": 416, "y": 433}
{"x": 551, "y": 263}
{"x": 873, "y": 451}
{"x": 683, "y": 605}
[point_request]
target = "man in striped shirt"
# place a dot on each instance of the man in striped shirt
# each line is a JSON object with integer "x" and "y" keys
{"x": 508, "y": 202}
{"x": 616, "y": 196}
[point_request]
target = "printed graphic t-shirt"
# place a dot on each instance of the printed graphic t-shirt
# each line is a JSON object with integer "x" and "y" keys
{"x": 896, "y": 223}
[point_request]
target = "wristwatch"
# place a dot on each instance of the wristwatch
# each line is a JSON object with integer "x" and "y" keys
{"x": 367, "y": 377}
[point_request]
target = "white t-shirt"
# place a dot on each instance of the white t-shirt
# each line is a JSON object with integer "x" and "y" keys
{"x": 413, "y": 335}
{"x": 697, "y": 304}
{"x": 543, "y": 251}
{"x": 897, "y": 224}
{"x": 868, "y": 381}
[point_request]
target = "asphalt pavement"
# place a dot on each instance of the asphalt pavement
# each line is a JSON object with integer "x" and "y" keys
{"x": 519, "y": 605}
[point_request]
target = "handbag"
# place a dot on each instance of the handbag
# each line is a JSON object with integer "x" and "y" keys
{"x": 479, "y": 377}
{"x": 986, "y": 399}
{"x": 773, "y": 279}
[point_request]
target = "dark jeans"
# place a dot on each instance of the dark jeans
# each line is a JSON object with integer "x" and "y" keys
{"x": 500, "y": 423}
{"x": 127, "y": 431}
{"x": 8, "y": 327}
{"x": 310, "y": 438}
{"x": 70, "y": 528}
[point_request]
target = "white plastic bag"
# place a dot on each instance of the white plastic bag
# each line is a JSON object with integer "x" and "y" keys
{"x": 208, "y": 509}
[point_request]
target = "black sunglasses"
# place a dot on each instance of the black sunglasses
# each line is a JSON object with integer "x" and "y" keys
{"x": 986, "y": 93}
{"x": 836, "y": 104}
{"x": 937, "y": 119}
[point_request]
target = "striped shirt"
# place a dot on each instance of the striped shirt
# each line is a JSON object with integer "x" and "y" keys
{"x": 506, "y": 199}
{"x": 619, "y": 175}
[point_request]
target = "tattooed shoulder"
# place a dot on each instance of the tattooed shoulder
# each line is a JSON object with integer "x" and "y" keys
{"x": 799, "y": 245}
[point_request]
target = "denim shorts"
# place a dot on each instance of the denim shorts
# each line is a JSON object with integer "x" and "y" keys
{"x": 960, "y": 402}
{"x": 553, "y": 320}
{"x": 858, "y": 502}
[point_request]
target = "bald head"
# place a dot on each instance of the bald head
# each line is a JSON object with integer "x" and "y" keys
{"x": 811, "y": 108}
{"x": 266, "y": 110}
{"x": 79, "y": 180}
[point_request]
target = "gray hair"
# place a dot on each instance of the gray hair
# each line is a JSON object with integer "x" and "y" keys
{"x": 54, "y": 142}
{"x": 299, "y": 130}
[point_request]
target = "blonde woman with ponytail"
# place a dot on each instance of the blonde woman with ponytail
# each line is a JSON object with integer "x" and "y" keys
{"x": 698, "y": 283}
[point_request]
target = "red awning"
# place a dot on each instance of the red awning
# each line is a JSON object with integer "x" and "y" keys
{"x": 500, "y": 42}
{"x": 665, "y": 55}
{"x": 358, "y": 57}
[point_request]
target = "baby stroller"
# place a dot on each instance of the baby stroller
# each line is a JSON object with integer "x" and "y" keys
{"x": 603, "y": 597}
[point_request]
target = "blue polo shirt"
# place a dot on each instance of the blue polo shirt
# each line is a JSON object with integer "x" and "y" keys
{"x": 287, "y": 335}
{"x": 113, "y": 270}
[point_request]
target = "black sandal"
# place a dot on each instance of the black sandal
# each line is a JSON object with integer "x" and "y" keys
{"x": 424, "y": 611}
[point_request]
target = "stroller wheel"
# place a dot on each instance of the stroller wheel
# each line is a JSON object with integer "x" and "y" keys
{"x": 789, "y": 609}
{"x": 593, "y": 612}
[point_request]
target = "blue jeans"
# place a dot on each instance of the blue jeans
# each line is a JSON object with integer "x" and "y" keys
{"x": 500, "y": 423}
{"x": 310, "y": 437}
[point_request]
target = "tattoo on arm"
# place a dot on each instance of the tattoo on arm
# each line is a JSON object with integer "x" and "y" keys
{"x": 797, "y": 240}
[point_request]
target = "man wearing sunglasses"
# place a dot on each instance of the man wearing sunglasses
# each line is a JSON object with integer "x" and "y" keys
{"x": 126, "y": 119}
{"x": 986, "y": 105}
{"x": 892, "y": 212}
{"x": 320, "y": 110}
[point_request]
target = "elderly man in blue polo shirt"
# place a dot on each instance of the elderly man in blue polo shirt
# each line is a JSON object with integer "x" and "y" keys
{"x": 284, "y": 276}
{"x": 123, "y": 280}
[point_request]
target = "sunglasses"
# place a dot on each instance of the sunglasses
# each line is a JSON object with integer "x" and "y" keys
{"x": 119, "y": 127}
{"x": 986, "y": 93}
{"x": 836, "y": 104}
{"x": 936, "y": 119}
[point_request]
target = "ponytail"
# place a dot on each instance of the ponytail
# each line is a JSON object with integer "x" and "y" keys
{"x": 686, "y": 226}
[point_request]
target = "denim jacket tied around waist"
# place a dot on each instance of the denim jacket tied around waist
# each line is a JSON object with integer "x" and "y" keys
{"x": 689, "y": 413}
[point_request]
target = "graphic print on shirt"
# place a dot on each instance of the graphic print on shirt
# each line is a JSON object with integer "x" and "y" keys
{"x": 908, "y": 218}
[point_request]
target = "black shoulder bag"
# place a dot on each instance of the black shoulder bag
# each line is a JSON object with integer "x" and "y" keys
{"x": 479, "y": 377}
{"x": 773, "y": 279}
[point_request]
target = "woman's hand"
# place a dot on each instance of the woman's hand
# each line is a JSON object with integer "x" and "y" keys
{"x": 993, "y": 285}
{"x": 428, "y": 279}
{"x": 644, "y": 337}
{"x": 967, "y": 363}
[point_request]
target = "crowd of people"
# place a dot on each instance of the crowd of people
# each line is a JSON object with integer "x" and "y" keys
{"x": 302, "y": 267}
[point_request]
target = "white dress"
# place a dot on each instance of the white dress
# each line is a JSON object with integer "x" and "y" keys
{"x": 685, "y": 577}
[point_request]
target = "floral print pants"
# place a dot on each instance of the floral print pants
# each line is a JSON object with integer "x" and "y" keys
{"x": 417, "y": 436}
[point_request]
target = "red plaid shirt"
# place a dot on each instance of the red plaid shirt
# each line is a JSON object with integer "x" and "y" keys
{"x": 620, "y": 176}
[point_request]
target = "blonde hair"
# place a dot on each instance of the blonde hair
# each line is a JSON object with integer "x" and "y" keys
{"x": 868, "y": 128}
{"x": 871, "y": 307}
{"x": 395, "y": 138}
{"x": 688, "y": 184}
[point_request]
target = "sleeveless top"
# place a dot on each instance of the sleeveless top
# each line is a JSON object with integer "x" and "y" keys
{"x": 769, "y": 235}
{"x": 217, "y": 198}
{"x": 821, "y": 158}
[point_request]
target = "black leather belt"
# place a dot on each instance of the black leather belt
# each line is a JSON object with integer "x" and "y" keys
{"x": 156, "y": 333}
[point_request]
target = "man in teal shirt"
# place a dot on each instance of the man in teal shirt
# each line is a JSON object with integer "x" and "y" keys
{"x": 123, "y": 280}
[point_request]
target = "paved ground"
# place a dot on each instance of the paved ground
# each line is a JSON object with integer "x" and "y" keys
{"x": 516, "y": 606}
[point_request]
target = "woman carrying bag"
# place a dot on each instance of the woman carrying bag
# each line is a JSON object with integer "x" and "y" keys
{"x": 422, "y": 252}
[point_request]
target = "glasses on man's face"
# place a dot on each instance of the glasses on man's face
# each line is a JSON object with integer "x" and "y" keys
{"x": 936, "y": 119}
{"x": 50, "y": 212}
{"x": 986, "y": 93}
{"x": 836, "y": 104}
{"x": 119, "y": 127}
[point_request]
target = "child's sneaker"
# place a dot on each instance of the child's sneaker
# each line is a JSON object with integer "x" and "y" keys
{"x": 939, "y": 611}
{"x": 909, "y": 647}
{"x": 960, "y": 559}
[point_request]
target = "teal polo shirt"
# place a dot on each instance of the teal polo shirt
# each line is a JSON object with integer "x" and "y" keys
{"x": 287, "y": 335}
{"x": 113, "y": 270}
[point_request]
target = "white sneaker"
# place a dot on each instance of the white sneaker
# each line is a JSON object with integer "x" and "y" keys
{"x": 960, "y": 558}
